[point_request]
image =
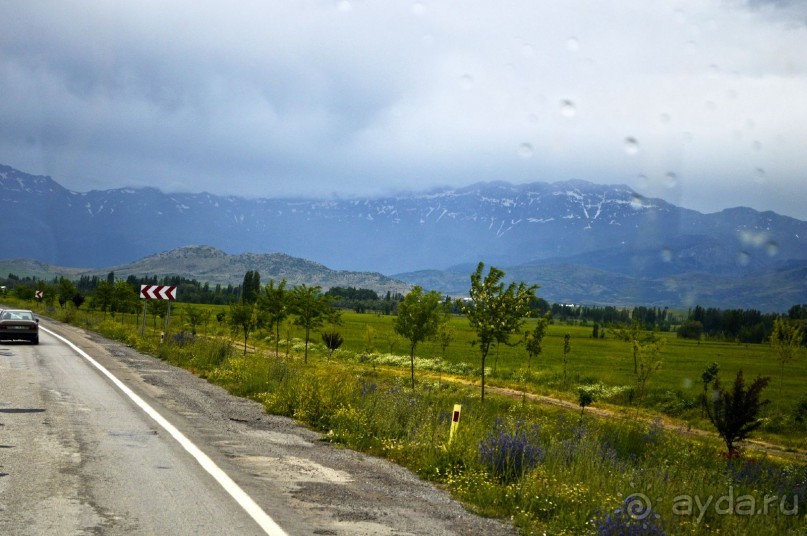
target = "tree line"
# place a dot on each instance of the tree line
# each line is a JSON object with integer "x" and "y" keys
{"x": 741, "y": 325}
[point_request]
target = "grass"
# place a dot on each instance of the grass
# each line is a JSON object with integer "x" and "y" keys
{"x": 546, "y": 468}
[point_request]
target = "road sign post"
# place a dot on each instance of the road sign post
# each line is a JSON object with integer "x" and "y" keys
{"x": 157, "y": 292}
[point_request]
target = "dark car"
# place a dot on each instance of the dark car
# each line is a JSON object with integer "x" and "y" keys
{"x": 19, "y": 324}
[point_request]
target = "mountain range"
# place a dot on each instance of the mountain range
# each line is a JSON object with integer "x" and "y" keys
{"x": 582, "y": 242}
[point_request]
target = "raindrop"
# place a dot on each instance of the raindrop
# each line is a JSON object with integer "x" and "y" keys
{"x": 665, "y": 118}
{"x": 525, "y": 150}
{"x": 666, "y": 254}
{"x": 572, "y": 44}
{"x": 527, "y": 50}
{"x": 466, "y": 81}
{"x": 743, "y": 258}
{"x": 631, "y": 146}
{"x": 567, "y": 108}
{"x": 344, "y": 6}
{"x": 757, "y": 145}
{"x": 760, "y": 176}
{"x": 418, "y": 8}
{"x": 772, "y": 247}
{"x": 671, "y": 180}
{"x": 636, "y": 202}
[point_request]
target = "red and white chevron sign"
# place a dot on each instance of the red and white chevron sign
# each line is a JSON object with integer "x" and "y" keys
{"x": 158, "y": 292}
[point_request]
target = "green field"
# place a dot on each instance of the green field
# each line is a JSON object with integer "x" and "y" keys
{"x": 551, "y": 470}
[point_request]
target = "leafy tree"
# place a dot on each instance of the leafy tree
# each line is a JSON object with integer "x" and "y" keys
{"x": 333, "y": 340}
{"x": 251, "y": 287}
{"x": 157, "y": 308}
{"x": 274, "y": 304}
{"x": 124, "y": 298}
{"x": 77, "y": 300}
{"x": 649, "y": 364}
{"x": 786, "y": 340}
{"x": 690, "y": 329}
{"x": 103, "y": 296}
{"x": 242, "y": 319}
{"x": 496, "y": 312}
{"x": 66, "y": 291}
{"x": 418, "y": 319}
{"x": 312, "y": 309}
{"x": 567, "y": 347}
{"x": 637, "y": 337}
{"x": 194, "y": 317}
{"x": 708, "y": 376}
{"x": 533, "y": 344}
{"x": 735, "y": 413}
{"x": 445, "y": 336}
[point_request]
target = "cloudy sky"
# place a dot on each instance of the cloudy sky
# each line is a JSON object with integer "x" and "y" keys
{"x": 701, "y": 102}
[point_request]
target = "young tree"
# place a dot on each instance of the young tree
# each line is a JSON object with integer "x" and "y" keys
{"x": 708, "y": 376}
{"x": 735, "y": 413}
{"x": 312, "y": 309}
{"x": 66, "y": 291}
{"x": 418, "y": 319}
{"x": 496, "y": 312}
{"x": 242, "y": 319}
{"x": 567, "y": 347}
{"x": 786, "y": 340}
{"x": 445, "y": 336}
{"x": 637, "y": 337}
{"x": 533, "y": 344}
{"x": 274, "y": 304}
{"x": 194, "y": 317}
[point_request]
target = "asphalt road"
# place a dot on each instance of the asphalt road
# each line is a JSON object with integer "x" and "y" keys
{"x": 98, "y": 439}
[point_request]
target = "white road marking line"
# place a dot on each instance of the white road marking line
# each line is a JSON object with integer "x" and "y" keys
{"x": 245, "y": 501}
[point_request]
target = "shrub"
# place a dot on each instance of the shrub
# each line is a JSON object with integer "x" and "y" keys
{"x": 509, "y": 452}
{"x": 635, "y": 517}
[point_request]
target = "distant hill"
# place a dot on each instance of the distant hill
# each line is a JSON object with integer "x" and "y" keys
{"x": 607, "y": 243}
{"x": 210, "y": 265}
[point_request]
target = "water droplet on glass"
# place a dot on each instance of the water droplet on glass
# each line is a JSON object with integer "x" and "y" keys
{"x": 527, "y": 50}
{"x": 760, "y": 176}
{"x": 466, "y": 81}
{"x": 525, "y": 150}
{"x": 772, "y": 247}
{"x": 418, "y": 8}
{"x": 665, "y": 118}
{"x": 714, "y": 71}
{"x": 636, "y": 202}
{"x": 572, "y": 44}
{"x": 631, "y": 146}
{"x": 344, "y": 5}
{"x": 671, "y": 180}
{"x": 666, "y": 254}
{"x": 757, "y": 145}
{"x": 567, "y": 108}
{"x": 743, "y": 258}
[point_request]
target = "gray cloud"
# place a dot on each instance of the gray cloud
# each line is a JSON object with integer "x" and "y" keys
{"x": 358, "y": 98}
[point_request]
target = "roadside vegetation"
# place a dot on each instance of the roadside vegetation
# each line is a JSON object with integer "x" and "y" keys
{"x": 608, "y": 462}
